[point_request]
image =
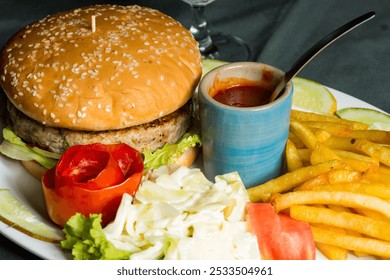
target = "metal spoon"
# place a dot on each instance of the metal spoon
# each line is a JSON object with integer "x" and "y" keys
{"x": 316, "y": 49}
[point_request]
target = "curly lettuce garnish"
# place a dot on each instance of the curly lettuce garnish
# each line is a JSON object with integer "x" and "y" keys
{"x": 87, "y": 240}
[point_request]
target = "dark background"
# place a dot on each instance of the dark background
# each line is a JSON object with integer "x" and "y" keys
{"x": 277, "y": 31}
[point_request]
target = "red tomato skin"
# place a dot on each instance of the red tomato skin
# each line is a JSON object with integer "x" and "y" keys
{"x": 64, "y": 201}
{"x": 75, "y": 167}
{"x": 279, "y": 236}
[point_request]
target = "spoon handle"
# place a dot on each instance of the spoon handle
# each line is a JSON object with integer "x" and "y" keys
{"x": 326, "y": 41}
{"x": 317, "y": 48}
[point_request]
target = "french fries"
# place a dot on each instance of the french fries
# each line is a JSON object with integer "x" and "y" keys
{"x": 290, "y": 180}
{"x": 338, "y": 180}
{"x": 344, "y": 198}
{"x": 370, "y": 246}
{"x": 374, "y": 150}
{"x": 341, "y": 219}
{"x": 372, "y": 189}
{"x": 306, "y": 116}
{"x": 332, "y": 252}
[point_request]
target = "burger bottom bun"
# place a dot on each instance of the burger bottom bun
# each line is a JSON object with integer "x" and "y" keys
{"x": 188, "y": 157}
{"x": 34, "y": 168}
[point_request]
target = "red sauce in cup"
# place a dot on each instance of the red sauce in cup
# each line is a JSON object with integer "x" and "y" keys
{"x": 243, "y": 95}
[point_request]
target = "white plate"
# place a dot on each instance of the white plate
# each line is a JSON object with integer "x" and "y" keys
{"x": 27, "y": 189}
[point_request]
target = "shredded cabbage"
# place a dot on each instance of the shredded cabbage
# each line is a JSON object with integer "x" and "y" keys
{"x": 180, "y": 214}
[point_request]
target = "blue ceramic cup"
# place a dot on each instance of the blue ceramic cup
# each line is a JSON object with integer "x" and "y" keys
{"x": 249, "y": 140}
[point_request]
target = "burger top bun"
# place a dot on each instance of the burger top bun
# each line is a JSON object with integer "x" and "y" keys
{"x": 101, "y": 67}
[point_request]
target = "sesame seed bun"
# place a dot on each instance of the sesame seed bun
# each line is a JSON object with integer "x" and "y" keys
{"x": 133, "y": 66}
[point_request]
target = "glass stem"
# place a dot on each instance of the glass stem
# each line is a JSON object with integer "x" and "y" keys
{"x": 200, "y": 31}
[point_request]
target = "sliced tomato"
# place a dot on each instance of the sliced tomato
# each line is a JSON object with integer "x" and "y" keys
{"x": 279, "y": 236}
{"x": 91, "y": 179}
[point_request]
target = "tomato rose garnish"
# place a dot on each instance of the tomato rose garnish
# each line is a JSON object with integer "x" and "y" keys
{"x": 91, "y": 179}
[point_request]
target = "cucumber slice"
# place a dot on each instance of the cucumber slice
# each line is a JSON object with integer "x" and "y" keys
{"x": 312, "y": 96}
{"x": 364, "y": 115}
{"x": 209, "y": 64}
{"x": 374, "y": 118}
{"x": 17, "y": 215}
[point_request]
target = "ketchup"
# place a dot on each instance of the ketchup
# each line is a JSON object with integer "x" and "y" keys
{"x": 243, "y": 95}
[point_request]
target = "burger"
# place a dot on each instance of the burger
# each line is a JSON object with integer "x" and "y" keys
{"x": 102, "y": 73}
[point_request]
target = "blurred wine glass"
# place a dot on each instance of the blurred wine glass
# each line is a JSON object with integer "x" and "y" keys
{"x": 215, "y": 45}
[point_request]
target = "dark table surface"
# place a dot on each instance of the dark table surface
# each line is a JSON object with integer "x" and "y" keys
{"x": 277, "y": 31}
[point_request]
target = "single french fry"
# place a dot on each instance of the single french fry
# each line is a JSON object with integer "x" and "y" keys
{"x": 344, "y": 176}
{"x": 384, "y": 169}
{"x": 332, "y": 252}
{"x": 371, "y": 189}
{"x": 292, "y": 157}
{"x": 372, "y": 214}
{"x": 341, "y": 143}
{"x": 374, "y": 150}
{"x": 374, "y": 176}
{"x": 318, "y": 181}
{"x": 304, "y": 134}
{"x": 330, "y": 127}
{"x": 349, "y": 221}
{"x": 308, "y": 116}
{"x": 376, "y": 136}
{"x": 296, "y": 141}
{"x": 304, "y": 154}
{"x": 361, "y": 244}
{"x": 359, "y": 165}
{"x": 341, "y": 230}
{"x": 322, "y": 135}
{"x": 332, "y": 177}
{"x": 347, "y": 199}
{"x": 322, "y": 153}
{"x": 339, "y": 208}
{"x": 356, "y": 161}
{"x": 355, "y": 156}
{"x": 290, "y": 180}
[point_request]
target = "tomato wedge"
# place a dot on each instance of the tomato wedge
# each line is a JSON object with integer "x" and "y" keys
{"x": 91, "y": 179}
{"x": 279, "y": 236}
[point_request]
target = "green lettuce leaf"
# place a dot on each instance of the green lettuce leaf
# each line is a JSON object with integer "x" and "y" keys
{"x": 169, "y": 152}
{"x": 87, "y": 241}
{"x": 13, "y": 147}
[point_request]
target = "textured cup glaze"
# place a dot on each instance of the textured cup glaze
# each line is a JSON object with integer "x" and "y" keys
{"x": 249, "y": 140}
